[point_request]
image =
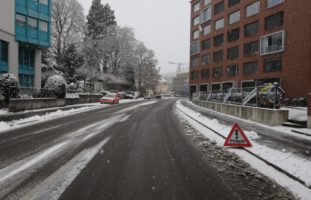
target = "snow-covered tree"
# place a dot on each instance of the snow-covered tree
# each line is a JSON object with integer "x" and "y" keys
{"x": 9, "y": 87}
{"x": 71, "y": 60}
{"x": 99, "y": 19}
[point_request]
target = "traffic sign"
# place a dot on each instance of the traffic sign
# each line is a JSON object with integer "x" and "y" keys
{"x": 237, "y": 138}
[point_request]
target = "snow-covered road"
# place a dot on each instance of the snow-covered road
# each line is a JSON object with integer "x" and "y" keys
{"x": 288, "y": 161}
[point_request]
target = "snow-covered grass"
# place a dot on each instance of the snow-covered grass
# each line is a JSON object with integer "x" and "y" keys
{"x": 297, "y": 166}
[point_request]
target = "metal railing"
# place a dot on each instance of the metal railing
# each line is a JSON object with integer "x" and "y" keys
{"x": 271, "y": 96}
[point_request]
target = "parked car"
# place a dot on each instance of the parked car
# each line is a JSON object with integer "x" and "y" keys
{"x": 111, "y": 98}
{"x": 131, "y": 95}
{"x": 158, "y": 97}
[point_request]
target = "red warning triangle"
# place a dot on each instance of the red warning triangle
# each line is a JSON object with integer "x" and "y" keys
{"x": 237, "y": 138}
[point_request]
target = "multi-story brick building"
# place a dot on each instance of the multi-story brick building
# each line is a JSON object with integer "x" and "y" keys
{"x": 24, "y": 32}
{"x": 243, "y": 43}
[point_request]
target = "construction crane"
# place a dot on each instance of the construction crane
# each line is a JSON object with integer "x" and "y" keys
{"x": 179, "y": 66}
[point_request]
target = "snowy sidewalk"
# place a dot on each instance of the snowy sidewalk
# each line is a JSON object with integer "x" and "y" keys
{"x": 288, "y": 161}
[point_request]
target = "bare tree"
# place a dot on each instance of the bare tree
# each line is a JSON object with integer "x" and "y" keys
{"x": 68, "y": 23}
{"x": 118, "y": 49}
{"x": 146, "y": 73}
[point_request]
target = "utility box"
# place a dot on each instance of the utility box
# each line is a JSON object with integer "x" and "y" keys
{"x": 309, "y": 110}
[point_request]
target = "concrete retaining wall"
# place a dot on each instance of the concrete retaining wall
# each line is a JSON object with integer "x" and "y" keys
{"x": 266, "y": 116}
{"x": 32, "y": 104}
{"x": 86, "y": 98}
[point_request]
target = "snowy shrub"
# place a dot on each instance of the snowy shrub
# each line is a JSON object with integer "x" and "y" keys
{"x": 9, "y": 87}
{"x": 72, "y": 88}
{"x": 56, "y": 86}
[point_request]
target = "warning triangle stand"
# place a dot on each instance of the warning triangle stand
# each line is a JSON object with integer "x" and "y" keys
{"x": 237, "y": 138}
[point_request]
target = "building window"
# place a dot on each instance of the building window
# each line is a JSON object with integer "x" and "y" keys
{"x": 250, "y": 68}
{"x": 234, "y": 17}
{"x": 252, "y": 9}
{"x": 233, "y": 53}
{"x": 207, "y": 29}
{"x": 44, "y": 2}
{"x": 4, "y": 51}
{"x": 196, "y": 20}
{"x": 195, "y": 48}
{"x": 272, "y": 43}
{"x": 233, "y": 70}
{"x": 251, "y": 48}
{"x": 233, "y": 35}
{"x": 195, "y": 34}
{"x": 233, "y": 2}
{"x": 274, "y": 21}
{"x": 206, "y": 14}
{"x": 206, "y": 2}
{"x": 205, "y": 59}
{"x": 219, "y": 23}
{"x": 218, "y": 56}
{"x": 217, "y": 72}
{"x": 194, "y": 76}
{"x": 204, "y": 74}
{"x": 195, "y": 62}
{"x": 272, "y": 65}
{"x": 20, "y": 20}
{"x": 251, "y": 29}
{"x": 32, "y": 22}
{"x": 196, "y": 6}
{"x": 4, "y": 56}
{"x": 43, "y": 26}
{"x": 218, "y": 40}
{"x": 206, "y": 44}
{"x": 219, "y": 7}
{"x": 272, "y": 3}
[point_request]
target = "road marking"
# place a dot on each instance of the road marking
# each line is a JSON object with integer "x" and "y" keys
{"x": 24, "y": 164}
{"x": 55, "y": 185}
{"x": 137, "y": 106}
{"x": 107, "y": 124}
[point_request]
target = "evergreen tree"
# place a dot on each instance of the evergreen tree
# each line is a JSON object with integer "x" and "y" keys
{"x": 71, "y": 59}
{"x": 100, "y": 17}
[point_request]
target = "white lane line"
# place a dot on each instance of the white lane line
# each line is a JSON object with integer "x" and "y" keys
{"x": 55, "y": 185}
{"x": 24, "y": 164}
{"x": 137, "y": 106}
{"x": 107, "y": 124}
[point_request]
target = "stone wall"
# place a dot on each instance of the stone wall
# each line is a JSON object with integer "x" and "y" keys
{"x": 271, "y": 117}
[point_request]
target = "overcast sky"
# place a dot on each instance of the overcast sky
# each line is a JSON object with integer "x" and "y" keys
{"x": 163, "y": 25}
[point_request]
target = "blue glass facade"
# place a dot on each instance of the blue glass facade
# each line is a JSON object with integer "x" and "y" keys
{"x": 32, "y": 31}
{"x": 26, "y": 66}
{"x": 33, "y": 22}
